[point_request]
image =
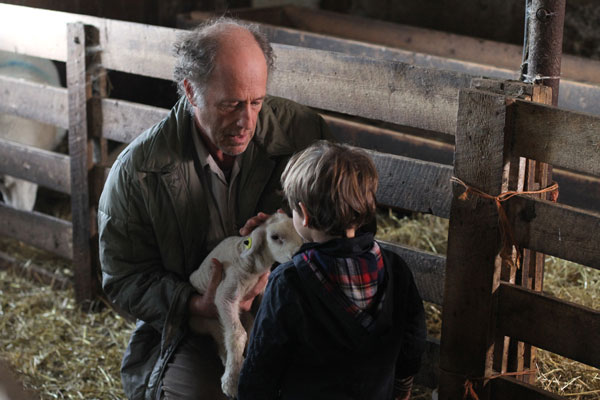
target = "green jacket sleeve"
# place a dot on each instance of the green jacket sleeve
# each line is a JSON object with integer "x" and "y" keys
{"x": 133, "y": 275}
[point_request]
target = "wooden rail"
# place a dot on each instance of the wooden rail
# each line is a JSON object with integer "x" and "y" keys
{"x": 42, "y": 231}
{"x": 43, "y": 167}
{"x": 549, "y": 323}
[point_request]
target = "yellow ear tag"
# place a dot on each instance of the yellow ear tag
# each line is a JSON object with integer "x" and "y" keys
{"x": 248, "y": 243}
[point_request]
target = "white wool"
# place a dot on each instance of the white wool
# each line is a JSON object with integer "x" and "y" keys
{"x": 244, "y": 260}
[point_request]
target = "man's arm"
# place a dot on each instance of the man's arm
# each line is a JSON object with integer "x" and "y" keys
{"x": 133, "y": 275}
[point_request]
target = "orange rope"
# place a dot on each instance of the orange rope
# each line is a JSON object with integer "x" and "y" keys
{"x": 508, "y": 240}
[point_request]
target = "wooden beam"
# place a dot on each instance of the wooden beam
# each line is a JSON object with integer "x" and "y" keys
{"x": 123, "y": 121}
{"x": 562, "y": 138}
{"x": 401, "y": 142}
{"x": 414, "y": 185}
{"x": 428, "y": 270}
{"x": 376, "y": 89}
{"x": 43, "y": 103}
{"x": 79, "y": 149}
{"x": 43, "y": 167}
{"x": 510, "y": 388}
{"x": 471, "y": 269}
{"x": 548, "y": 323}
{"x": 37, "y": 229}
{"x": 126, "y": 46}
{"x": 556, "y": 229}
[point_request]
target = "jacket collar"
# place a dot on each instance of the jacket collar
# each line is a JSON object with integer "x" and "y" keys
{"x": 178, "y": 174}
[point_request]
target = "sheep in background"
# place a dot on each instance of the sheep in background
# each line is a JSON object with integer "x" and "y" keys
{"x": 244, "y": 260}
{"x": 20, "y": 193}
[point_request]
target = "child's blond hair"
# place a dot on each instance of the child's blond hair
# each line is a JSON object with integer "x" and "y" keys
{"x": 336, "y": 183}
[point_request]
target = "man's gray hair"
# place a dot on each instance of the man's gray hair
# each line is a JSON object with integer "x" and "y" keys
{"x": 196, "y": 51}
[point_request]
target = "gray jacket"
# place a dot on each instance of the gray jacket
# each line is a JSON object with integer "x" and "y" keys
{"x": 150, "y": 220}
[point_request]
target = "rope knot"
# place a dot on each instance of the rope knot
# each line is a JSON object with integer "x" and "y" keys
{"x": 508, "y": 240}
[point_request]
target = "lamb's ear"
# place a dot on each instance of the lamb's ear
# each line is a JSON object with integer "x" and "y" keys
{"x": 253, "y": 243}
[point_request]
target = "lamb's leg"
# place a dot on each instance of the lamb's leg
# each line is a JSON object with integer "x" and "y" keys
{"x": 227, "y": 302}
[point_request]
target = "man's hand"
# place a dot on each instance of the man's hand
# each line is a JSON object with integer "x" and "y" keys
{"x": 255, "y": 221}
{"x": 203, "y": 305}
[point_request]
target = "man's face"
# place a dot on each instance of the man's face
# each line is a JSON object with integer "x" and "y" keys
{"x": 232, "y": 100}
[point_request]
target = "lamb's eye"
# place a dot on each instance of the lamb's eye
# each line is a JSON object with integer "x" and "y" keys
{"x": 275, "y": 237}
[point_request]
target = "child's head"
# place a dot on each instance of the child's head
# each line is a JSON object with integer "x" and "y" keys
{"x": 336, "y": 184}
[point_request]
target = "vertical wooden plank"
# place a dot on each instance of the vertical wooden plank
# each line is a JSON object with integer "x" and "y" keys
{"x": 472, "y": 271}
{"x": 80, "y": 161}
{"x": 536, "y": 175}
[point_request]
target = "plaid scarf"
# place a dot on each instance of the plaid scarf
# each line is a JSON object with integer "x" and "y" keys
{"x": 353, "y": 280}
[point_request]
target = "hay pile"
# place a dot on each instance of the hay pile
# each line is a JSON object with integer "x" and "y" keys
{"x": 58, "y": 350}
{"x": 63, "y": 352}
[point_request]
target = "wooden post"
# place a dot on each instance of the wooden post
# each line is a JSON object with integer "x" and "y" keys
{"x": 472, "y": 268}
{"x": 542, "y": 52}
{"x": 520, "y": 174}
{"x": 80, "y": 151}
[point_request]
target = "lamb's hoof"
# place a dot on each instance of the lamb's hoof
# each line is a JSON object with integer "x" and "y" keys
{"x": 229, "y": 385}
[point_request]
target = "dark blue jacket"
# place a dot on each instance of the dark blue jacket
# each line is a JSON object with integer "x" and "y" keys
{"x": 305, "y": 346}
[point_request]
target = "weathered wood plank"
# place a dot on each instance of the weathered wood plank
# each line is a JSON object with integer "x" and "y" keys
{"x": 43, "y": 167}
{"x": 123, "y": 121}
{"x": 473, "y": 237}
{"x": 556, "y": 229}
{"x": 510, "y": 388}
{"x": 548, "y": 323}
{"x": 43, "y": 103}
{"x": 378, "y": 89}
{"x": 401, "y": 142}
{"x": 37, "y": 229}
{"x": 79, "y": 147}
{"x": 414, "y": 185}
{"x": 126, "y": 46}
{"x": 428, "y": 270}
{"x": 558, "y": 137}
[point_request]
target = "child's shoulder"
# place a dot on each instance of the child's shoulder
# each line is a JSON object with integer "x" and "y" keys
{"x": 395, "y": 264}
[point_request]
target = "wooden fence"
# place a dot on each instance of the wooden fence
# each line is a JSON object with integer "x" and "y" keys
{"x": 481, "y": 308}
{"x": 383, "y": 90}
{"x": 364, "y": 37}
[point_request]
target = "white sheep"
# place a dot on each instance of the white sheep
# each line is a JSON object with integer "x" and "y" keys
{"x": 20, "y": 193}
{"x": 244, "y": 260}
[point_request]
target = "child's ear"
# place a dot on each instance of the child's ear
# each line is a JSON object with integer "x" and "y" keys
{"x": 305, "y": 215}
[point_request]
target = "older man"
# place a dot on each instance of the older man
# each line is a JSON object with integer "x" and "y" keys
{"x": 199, "y": 175}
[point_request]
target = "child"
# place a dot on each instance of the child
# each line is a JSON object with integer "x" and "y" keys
{"x": 343, "y": 320}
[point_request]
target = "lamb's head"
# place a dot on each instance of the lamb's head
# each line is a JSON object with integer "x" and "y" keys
{"x": 275, "y": 240}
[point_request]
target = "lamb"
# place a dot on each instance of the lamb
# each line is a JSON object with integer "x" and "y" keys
{"x": 244, "y": 260}
{"x": 20, "y": 193}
